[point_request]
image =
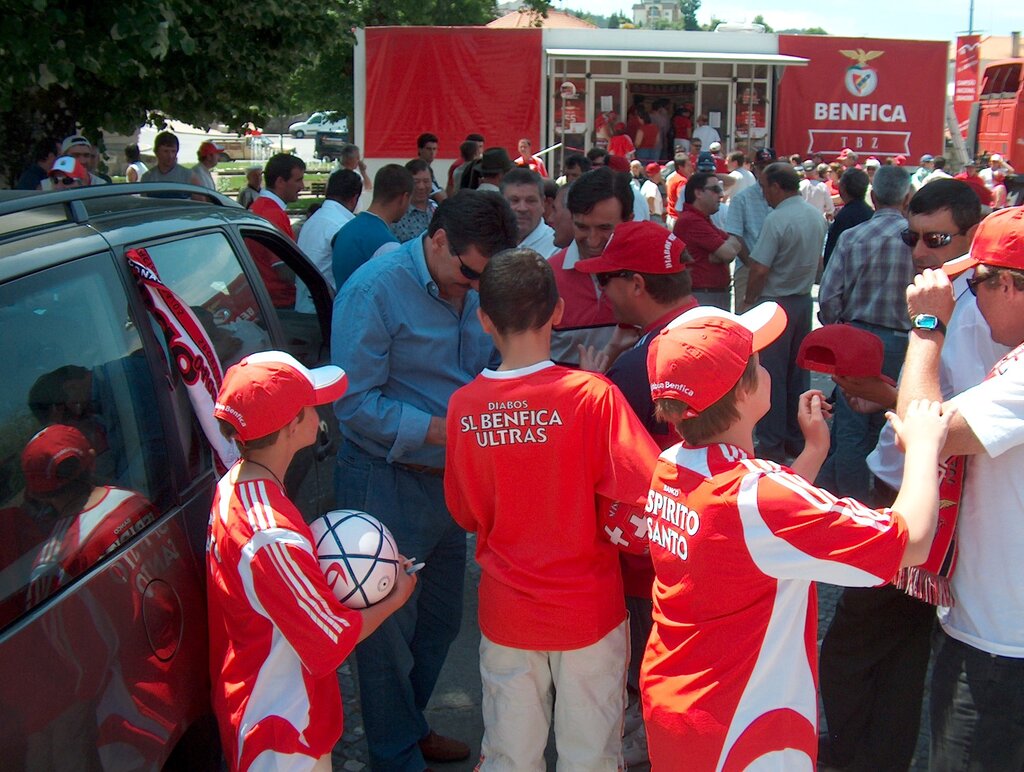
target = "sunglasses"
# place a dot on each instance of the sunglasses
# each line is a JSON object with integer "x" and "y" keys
{"x": 932, "y": 239}
{"x": 716, "y": 189}
{"x": 604, "y": 278}
{"x": 974, "y": 281}
{"x": 63, "y": 180}
{"x": 468, "y": 272}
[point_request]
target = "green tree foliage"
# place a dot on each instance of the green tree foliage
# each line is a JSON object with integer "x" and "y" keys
{"x": 759, "y": 19}
{"x": 688, "y": 9}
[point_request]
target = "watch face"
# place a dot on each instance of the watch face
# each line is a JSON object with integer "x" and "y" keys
{"x": 926, "y": 321}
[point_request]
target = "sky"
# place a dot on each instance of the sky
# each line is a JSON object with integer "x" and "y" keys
{"x": 910, "y": 19}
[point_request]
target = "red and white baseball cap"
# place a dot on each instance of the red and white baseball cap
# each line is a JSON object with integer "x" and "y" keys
{"x": 54, "y": 457}
{"x": 70, "y": 167}
{"x": 845, "y": 350}
{"x": 266, "y": 390}
{"x": 701, "y": 354}
{"x": 644, "y": 247}
{"x": 209, "y": 148}
{"x": 999, "y": 242}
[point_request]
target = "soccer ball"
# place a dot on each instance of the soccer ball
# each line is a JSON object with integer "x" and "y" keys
{"x": 358, "y": 556}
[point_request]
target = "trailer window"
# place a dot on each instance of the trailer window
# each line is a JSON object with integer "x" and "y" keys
{"x": 570, "y": 66}
{"x": 645, "y": 66}
{"x": 1001, "y": 80}
{"x": 605, "y": 67}
{"x": 680, "y": 68}
{"x": 716, "y": 70}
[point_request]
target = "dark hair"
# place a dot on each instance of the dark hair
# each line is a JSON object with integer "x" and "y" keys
{"x": 344, "y": 184}
{"x": 713, "y": 420}
{"x": 229, "y": 432}
{"x": 596, "y": 152}
{"x": 695, "y": 183}
{"x": 665, "y": 288}
{"x": 424, "y": 138}
{"x": 476, "y": 218}
{"x": 939, "y": 162}
{"x": 475, "y": 138}
{"x": 166, "y": 139}
{"x": 44, "y": 148}
{"x": 580, "y": 161}
{"x": 348, "y": 151}
{"x": 954, "y": 195}
{"x": 417, "y": 165}
{"x": 782, "y": 174}
{"x": 392, "y": 181}
{"x": 280, "y": 166}
{"x": 131, "y": 152}
{"x": 523, "y": 176}
{"x": 737, "y": 157}
{"x": 468, "y": 150}
{"x": 599, "y": 185}
{"x": 550, "y": 189}
{"x": 518, "y": 291}
{"x": 48, "y": 391}
{"x": 855, "y": 182}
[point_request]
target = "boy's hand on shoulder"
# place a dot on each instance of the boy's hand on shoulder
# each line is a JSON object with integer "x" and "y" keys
{"x": 812, "y": 415}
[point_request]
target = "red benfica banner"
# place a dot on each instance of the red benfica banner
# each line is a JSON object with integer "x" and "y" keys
{"x": 965, "y": 81}
{"x": 190, "y": 347}
{"x": 878, "y": 97}
{"x": 451, "y": 81}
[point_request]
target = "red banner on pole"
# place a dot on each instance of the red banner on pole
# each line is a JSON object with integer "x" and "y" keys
{"x": 856, "y": 93}
{"x": 965, "y": 80}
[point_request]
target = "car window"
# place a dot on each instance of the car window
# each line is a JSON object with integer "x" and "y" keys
{"x": 316, "y": 118}
{"x": 83, "y": 456}
{"x": 204, "y": 271}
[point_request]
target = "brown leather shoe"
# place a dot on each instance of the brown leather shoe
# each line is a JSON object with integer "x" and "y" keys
{"x": 436, "y": 747}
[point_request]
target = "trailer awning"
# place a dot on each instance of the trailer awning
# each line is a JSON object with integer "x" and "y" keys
{"x": 693, "y": 56}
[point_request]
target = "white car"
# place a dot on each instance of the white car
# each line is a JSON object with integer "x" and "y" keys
{"x": 319, "y": 121}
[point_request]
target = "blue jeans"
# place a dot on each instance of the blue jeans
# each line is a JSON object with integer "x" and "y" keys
{"x": 399, "y": 663}
{"x": 977, "y": 709}
{"x": 854, "y": 435}
{"x": 647, "y": 154}
{"x": 778, "y": 433}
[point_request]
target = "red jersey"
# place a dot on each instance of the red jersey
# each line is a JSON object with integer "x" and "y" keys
{"x": 730, "y": 670}
{"x": 673, "y": 187}
{"x": 282, "y": 293}
{"x": 588, "y": 317}
{"x": 277, "y": 633}
{"x": 528, "y": 450}
{"x": 533, "y": 163}
{"x": 702, "y": 237}
{"x": 621, "y": 144}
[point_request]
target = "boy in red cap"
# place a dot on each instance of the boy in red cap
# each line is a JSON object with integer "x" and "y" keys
{"x": 531, "y": 447}
{"x": 277, "y": 633}
{"x": 737, "y": 542}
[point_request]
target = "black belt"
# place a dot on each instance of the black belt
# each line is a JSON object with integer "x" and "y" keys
{"x": 433, "y": 471}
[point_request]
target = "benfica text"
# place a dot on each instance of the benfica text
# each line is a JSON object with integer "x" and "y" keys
{"x": 510, "y": 423}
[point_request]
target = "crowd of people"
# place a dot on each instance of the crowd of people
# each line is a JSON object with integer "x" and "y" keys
{"x": 605, "y": 377}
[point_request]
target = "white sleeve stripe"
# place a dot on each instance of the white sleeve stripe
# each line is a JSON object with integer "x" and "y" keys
{"x": 861, "y": 513}
{"x": 311, "y": 592}
{"x": 266, "y": 506}
{"x": 302, "y": 601}
{"x": 245, "y": 495}
{"x": 302, "y": 590}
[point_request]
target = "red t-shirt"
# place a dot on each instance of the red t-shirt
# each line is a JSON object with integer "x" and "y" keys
{"x": 730, "y": 669}
{"x": 673, "y": 185}
{"x": 649, "y": 137}
{"x": 702, "y": 238}
{"x": 528, "y": 451}
{"x": 282, "y": 293}
{"x": 682, "y": 127}
{"x": 277, "y": 633}
{"x": 588, "y": 317}
{"x": 620, "y": 144}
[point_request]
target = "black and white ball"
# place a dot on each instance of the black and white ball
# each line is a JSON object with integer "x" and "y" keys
{"x": 357, "y": 554}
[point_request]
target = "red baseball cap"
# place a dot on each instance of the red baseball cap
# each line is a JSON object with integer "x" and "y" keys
{"x": 266, "y": 390}
{"x": 209, "y": 148}
{"x": 999, "y": 242}
{"x": 644, "y": 247}
{"x": 843, "y": 349}
{"x": 701, "y": 354}
{"x": 69, "y": 166}
{"x": 653, "y": 168}
{"x": 900, "y": 160}
{"x": 45, "y": 460}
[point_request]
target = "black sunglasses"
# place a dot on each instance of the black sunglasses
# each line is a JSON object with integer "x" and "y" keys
{"x": 604, "y": 278}
{"x": 468, "y": 272}
{"x": 974, "y": 281}
{"x": 63, "y": 180}
{"x": 932, "y": 239}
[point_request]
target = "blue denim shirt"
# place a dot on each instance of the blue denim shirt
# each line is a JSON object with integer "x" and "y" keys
{"x": 406, "y": 351}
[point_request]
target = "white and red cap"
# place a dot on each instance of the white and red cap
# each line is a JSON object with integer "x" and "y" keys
{"x": 701, "y": 354}
{"x": 999, "y": 242}
{"x": 54, "y": 457}
{"x": 266, "y": 390}
{"x": 70, "y": 167}
{"x": 209, "y": 148}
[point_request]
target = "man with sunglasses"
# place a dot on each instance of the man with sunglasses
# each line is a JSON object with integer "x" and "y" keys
{"x": 711, "y": 248}
{"x": 876, "y": 650}
{"x": 406, "y": 331}
{"x": 67, "y": 173}
{"x": 977, "y": 686}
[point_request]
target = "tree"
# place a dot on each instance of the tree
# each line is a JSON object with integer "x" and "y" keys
{"x": 688, "y": 10}
{"x": 117, "y": 64}
{"x": 759, "y": 19}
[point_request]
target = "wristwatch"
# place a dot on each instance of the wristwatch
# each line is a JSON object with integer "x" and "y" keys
{"x": 929, "y": 323}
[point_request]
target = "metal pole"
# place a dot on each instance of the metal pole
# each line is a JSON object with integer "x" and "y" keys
{"x": 970, "y": 20}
